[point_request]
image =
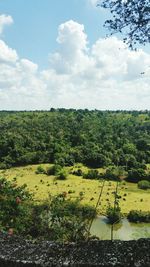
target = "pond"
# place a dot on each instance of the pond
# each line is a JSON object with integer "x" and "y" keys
{"x": 123, "y": 230}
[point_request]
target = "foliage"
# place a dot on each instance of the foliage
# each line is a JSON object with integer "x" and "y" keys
{"x": 14, "y": 206}
{"x": 136, "y": 175}
{"x": 62, "y": 175}
{"x": 62, "y": 219}
{"x": 91, "y": 174}
{"x": 39, "y": 227}
{"x": 40, "y": 170}
{"x": 53, "y": 170}
{"x": 64, "y": 137}
{"x": 139, "y": 216}
{"x": 77, "y": 172}
{"x": 113, "y": 214}
{"x": 144, "y": 184}
{"x": 115, "y": 173}
{"x": 55, "y": 219}
{"x": 130, "y": 17}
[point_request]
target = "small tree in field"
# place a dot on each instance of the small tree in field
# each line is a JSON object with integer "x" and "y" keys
{"x": 62, "y": 175}
{"x": 40, "y": 170}
{"x": 113, "y": 214}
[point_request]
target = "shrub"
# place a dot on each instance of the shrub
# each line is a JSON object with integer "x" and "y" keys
{"x": 115, "y": 173}
{"x": 136, "y": 175}
{"x": 139, "y": 216}
{"x": 92, "y": 174}
{"x": 40, "y": 170}
{"x": 53, "y": 170}
{"x": 14, "y": 206}
{"x": 144, "y": 184}
{"x": 56, "y": 219}
{"x": 77, "y": 172}
{"x": 113, "y": 214}
{"x": 63, "y": 220}
{"x": 62, "y": 175}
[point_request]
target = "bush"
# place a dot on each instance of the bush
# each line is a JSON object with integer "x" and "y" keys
{"x": 113, "y": 214}
{"x": 139, "y": 216}
{"x": 68, "y": 220}
{"x": 136, "y": 175}
{"x": 62, "y": 220}
{"x": 77, "y": 172}
{"x": 40, "y": 170}
{"x": 144, "y": 184}
{"x": 92, "y": 174}
{"x": 115, "y": 173}
{"x": 53, "y": 170}
{"x": 62, "y": 175}
{"x": 14, "y": 206}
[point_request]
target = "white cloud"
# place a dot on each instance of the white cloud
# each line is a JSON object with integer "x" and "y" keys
{"x": 73, "y": 46}
{"x": 72, "y": 34}
{"x": 105, "y": 76}
{"x": 7, "y": 54}
{"x": 5, "y": 20}
{"x": 28, "y": 66}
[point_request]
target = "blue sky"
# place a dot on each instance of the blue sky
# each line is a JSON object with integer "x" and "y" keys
{"x": 55, "y": 54}
{"x": 34, "y": 31}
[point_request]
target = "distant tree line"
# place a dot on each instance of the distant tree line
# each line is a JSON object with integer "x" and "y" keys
{"x": 64, "y": 137}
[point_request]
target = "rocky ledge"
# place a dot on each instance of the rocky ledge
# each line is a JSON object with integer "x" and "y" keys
{"x": 17, "y": 252}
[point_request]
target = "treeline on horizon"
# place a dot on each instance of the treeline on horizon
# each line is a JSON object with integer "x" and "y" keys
{"x": 94, "y": 138}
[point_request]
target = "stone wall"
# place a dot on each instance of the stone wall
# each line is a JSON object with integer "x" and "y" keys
{"x": 16, "y": 252}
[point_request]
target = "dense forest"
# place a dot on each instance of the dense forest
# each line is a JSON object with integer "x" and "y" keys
{"x": 94, "y": 138}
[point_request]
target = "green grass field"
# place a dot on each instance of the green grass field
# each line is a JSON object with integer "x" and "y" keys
{"x": 42, "y": 185}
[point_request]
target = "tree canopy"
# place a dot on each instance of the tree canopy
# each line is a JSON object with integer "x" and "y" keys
{"x": 131, "y": 18}
{"x": 64, "y": 137}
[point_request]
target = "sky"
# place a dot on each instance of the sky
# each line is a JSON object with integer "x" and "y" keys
{"x": 56, "y": 54}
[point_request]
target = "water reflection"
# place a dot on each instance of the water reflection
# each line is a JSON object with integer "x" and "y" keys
{"x": 123, "y": 230}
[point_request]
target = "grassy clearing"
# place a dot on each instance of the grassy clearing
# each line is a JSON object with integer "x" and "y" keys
{"x": 42, "y": 185}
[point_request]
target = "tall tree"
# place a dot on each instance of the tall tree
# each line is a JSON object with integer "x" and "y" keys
{"x": 131, "y": 18}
